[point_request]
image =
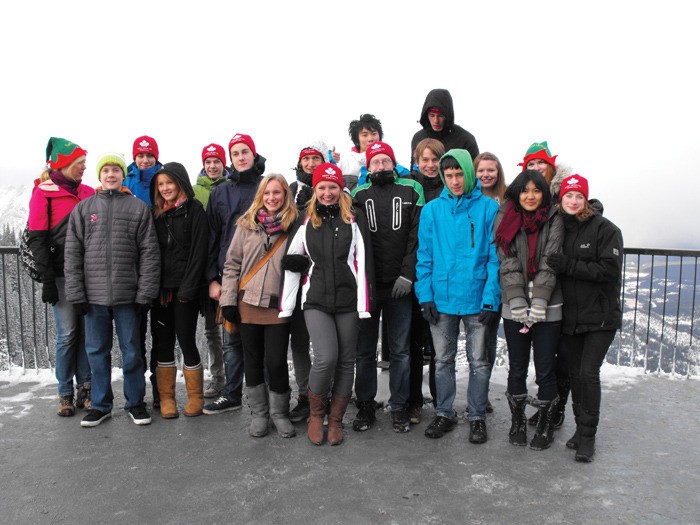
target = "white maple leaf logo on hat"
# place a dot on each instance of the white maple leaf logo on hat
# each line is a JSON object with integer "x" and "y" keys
{"x": 573, "y": 181}
{"x": 211, "y": 148}
{"x": 144, "y": 143}
{"x": 376, "y": 146}
{"x": 330, "y": 171}
{"x": 236, "y": 137}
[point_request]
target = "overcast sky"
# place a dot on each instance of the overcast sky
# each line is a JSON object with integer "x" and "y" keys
{"x": 612, "y": 86}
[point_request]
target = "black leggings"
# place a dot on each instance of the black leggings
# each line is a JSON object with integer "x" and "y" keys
{"x": 177, "y": 319}
{"x": 586, "y": 353}
{"x": 265, "y": 347}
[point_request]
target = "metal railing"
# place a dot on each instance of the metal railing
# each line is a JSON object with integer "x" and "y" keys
{"x": 659, "y": 332}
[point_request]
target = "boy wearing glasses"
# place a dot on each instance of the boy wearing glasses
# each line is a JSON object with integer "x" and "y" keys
{"x": 392, "y": 206}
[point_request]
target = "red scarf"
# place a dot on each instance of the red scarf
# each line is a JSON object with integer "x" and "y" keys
{"x": 529, "y": 222}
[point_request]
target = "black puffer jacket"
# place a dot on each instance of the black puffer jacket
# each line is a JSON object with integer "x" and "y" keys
{"x": 592, "y": 278}
{"x": 393, "y": 210}
{"x": 432, "y": 186}
{"x": 183, "y": 239}
{"x": 452, "y": 136}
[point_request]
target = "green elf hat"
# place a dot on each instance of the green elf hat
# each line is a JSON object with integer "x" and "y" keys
{"x": 538, "y": 150}
{"x": 61, "y": 153}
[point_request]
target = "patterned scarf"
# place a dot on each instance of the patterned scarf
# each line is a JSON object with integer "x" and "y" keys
{"x": 531, "y": 223}
{"x": 70, "y": 185}
{"x": 271, "y": 223}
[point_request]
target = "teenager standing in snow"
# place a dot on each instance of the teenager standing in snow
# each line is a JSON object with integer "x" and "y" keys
{"x": 590, "y": 270}
{"x": 332, "y": 243}
{"x": 56, "y": 193}
{"x": 529, "y": 231}
{"x": 182, "y": 229}
{"x": 250, "y": 297}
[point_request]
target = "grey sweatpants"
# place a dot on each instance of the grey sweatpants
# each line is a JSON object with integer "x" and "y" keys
{"x": 334, "y": 343}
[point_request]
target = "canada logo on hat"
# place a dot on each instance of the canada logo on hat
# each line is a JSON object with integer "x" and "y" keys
{"x": 574, "y": 183}
{"x": 329, "y": 173}
{"x": 378, "y": 148}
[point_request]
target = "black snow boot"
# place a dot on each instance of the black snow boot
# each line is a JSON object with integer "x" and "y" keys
{"x": 518, "y": 429}
{"x": 573, "y": 441}
{"x": 586, "y": 441}
{"x": 563, "y": 389}
{"x": 544, "y": 433}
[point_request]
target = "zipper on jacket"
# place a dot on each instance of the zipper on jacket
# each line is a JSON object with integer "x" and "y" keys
{"x": 109, "y": 248}
{"x": 471, "y": 224}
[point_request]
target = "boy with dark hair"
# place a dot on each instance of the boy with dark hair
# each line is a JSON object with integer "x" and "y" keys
{"x": 457, "y": 282}
{"x": 112, "y": 274}
{"x": 392, "y": 206}
{"x": 363, "y": 132}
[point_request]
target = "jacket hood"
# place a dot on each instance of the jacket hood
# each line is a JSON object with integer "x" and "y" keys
{"x": 464, "y": 159}
{"x": 178, "y": 172}
{"x": 250, "y": 175}
{"x": 442, "y": 99}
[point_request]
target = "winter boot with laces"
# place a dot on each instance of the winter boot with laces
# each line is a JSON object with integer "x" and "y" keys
{"x": 544, "y": 433}
{"x": 83, "y": 395}
{"x": 366, "y": 416}
{"x": 518, "y": 428}
{"x": 66, "y": 408}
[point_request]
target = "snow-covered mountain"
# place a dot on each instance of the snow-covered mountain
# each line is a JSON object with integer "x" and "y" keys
{"x": 14, "y": 206}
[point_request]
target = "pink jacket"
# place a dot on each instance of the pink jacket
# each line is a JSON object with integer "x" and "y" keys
{"x": 62, "y": 203}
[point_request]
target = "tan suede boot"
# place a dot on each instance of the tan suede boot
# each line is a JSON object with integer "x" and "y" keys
{"x": 335, "y": 419}
{"x": 194, "y": 381}
{"x": 317, "y": 407}
{"x": 166, "y": 389}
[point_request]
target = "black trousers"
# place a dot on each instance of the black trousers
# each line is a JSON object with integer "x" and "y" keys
{"x": 265, "y": 348}
{"x": 177, "y": 320}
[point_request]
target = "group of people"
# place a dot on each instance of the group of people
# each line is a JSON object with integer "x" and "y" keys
{"x": 315, "y": 266}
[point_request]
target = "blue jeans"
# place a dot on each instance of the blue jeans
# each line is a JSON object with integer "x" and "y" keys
{"x": 98, "y": 329}
{"x": 445, "y": 335}
{"x": 396, "y": 313}
{"x": 71, "y": 359}
{"x": 233, "y": 365}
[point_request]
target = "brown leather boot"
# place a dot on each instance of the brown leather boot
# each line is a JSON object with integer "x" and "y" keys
{"x": 166, "y": 389}
{"x": 317, "y": 409}
{"x": 335, "y": 419}
{"x": 194, "y": 381}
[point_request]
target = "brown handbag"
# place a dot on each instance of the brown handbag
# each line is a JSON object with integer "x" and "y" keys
{"x": 230, "y": 327}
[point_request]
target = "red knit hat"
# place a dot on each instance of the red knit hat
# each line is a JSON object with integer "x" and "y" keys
{"x": 214, "y": 150}
{"x": 379, "y": 147}
{"x": 309, "y": 151}
{"x": 328, "y": 172}
{"x": 145, "y": 144}
{"x": 574, "y": 183}
{"x": 245, "y": 139}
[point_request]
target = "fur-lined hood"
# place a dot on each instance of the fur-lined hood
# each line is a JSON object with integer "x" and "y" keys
{"x": 563, "y": 171}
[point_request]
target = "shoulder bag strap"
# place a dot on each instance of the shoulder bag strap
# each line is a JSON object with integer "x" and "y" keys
{"x": 255, "y": 269}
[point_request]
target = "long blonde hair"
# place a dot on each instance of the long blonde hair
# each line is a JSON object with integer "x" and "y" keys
{"x": 159, "y": 203}
{"x": 497, "y": 192}
{"x": 345, "y": 203}
{"x": 289, "y": 212}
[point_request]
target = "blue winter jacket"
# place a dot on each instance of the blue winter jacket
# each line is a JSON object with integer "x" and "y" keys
{"x": 139, "y": 181}
{"x": 457, "y": 263}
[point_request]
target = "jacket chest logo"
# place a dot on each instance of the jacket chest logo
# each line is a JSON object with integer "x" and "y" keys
{"x": 585, "y": 246}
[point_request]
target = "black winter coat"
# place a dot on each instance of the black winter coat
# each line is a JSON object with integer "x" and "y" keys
{"x": 432, "y": 186}
{"x": 592, "y": 278}
{"x": 393, "y": 212}
{"x": 183, "y": 234}
{"x": 227, "y": 203}
{"x": 452, "y": 136}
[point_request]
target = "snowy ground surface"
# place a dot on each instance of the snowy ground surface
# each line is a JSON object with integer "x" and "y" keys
{"x": 208, "y": 470}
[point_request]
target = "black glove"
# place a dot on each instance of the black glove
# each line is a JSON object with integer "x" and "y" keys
{"x": 488, "y": 317}
{"x": 296, "y": 263}
{"x": 429, "y": 312}
{"x": 81, "y": 308}
{"x": 49, "y": 293}
{"x": 402, "y": 287}
{"x": 304, "y": 195}
{"x": 143, "y": 308}
{"x": 230, "y": 313}
{"x": 558, "y": 262}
